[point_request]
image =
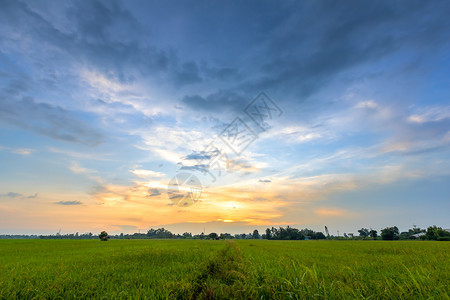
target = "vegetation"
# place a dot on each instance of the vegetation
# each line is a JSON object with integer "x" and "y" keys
{"x": 289, "y": 233}
{"x": 103, "y": 236}
{"x": 390, "y": 233}
{"x": 217, "y": 269}
{"x": 437, "y": 234}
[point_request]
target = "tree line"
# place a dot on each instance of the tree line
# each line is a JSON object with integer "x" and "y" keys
{"x": 275, "y": 233}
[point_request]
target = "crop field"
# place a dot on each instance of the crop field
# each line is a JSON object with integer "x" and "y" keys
{"x": 239, "y": 269}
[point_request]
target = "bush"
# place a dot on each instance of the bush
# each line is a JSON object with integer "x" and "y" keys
{"x": 103, "y": 236}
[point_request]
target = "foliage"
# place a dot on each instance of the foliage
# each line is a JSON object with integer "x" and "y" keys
{"x": 213, "y": 236}
{"x": 390, "y": 233}
{"x": 437, "y": 234}
{"x": 159, "y": 233}
{"x": 290, "y": 233}
{"x": 103, "y": 236}
{"x": 363, "y": 232}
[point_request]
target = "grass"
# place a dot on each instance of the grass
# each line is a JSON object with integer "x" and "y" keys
{"x": 241, "y": 269}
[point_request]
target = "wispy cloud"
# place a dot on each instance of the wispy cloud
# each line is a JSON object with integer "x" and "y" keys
{"x": 14, "y": 195}
{"x": 147, "y": 173}
{"x": 69, "y": 202}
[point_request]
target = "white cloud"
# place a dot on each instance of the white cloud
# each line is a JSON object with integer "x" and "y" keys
{"x": 367, "y": 104}
{"x": 146, "y": 173}
{"x": 430, "y": 114}
{"x": 22, "y": 151}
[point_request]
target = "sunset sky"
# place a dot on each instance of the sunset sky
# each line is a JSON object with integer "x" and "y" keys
{"x": 103, "y": 103}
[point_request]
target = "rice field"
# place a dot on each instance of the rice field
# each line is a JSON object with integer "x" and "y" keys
{"x": 237, "y": 269}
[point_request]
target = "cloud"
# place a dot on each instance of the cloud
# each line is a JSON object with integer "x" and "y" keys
{"x": 265, "y": 180}
{"x": 199, "y": 167}
{"x": 76, "y": 202}
{"x": 430, "y": 114}
{"x": 127, "y": 228}
{"x": 202, "y": 155}
{"x": 11, "y": 195}
{"x": 77, "y": 169}
{"x": 153, "y": 193}
{"x": 22, "y": 151}
{"x": 47, "y": 120}
{"x": 218, "y": 102}
{"x": 188, "y": 74}
{"x": 146, "y": 173}
{"x": 18, "y": 195}
{"x": 332, "y": 212}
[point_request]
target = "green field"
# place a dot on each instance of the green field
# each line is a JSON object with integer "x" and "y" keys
{"x": 202, "y": 269}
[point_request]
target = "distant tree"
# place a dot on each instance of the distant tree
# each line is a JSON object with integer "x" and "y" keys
{"x": 437, "y": 234}
{"x": 224, "y": 236}
{"x": 363, "y": 232}
{"x": 213, "y": 236}
{"x": 390, "y": 233}
{"x": 187, "y": 235}
{"x": 103, "y": 236}
{"x": 268, "y": 234}
{"x": 255, "y": 234}
{"x": 373, "y": 233}
{"x": 326, "y": 232}
{"x": 320, "y": 236}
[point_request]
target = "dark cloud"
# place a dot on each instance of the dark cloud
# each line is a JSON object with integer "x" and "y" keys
{"x": 69, "y": 202}
{"x": 11, "y": 195}
{"x": 218, "y": 102}
{"x": 314, "y": 43}
{"x": 223, "y": 73}
{"x": 103, "y": 34}
{"x": 18, "y": 195}
{"x": 265, "y": 180}
{"x": 47, "y": 120}
{"x": 188, "y": 73}
{"x": 153, "y": 193}
{"x": 202, "y": 155}
{"x": 200, "y": 167}
{"x": 310, "y": 54}
{"x": 176, "y": 196}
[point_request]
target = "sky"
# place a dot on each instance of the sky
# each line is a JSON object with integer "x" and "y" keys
{"x": 223, "y": 116}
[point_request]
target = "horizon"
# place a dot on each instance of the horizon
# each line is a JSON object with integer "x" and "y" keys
{"x": 125, "y": 116}
{"x": 261, "y": 230}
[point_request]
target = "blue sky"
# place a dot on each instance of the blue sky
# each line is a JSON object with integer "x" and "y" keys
{"x": 102, "y": 103}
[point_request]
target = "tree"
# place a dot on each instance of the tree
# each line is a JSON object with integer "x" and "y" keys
{"x": 103, "y": 236}
{"x": 268, "y": 234}
{"x": 213, "y": 236}
{"x": 373, "y": 233}
{"x": 363, "y": 232}
{"x": 390, "y": 233}
{"x": 437, "y": 234}
{"x": 320, "y": 236}
{"x": 255, "y": 234}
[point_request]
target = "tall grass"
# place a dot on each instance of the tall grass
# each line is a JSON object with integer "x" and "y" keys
{"x": 241, "y": 269}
